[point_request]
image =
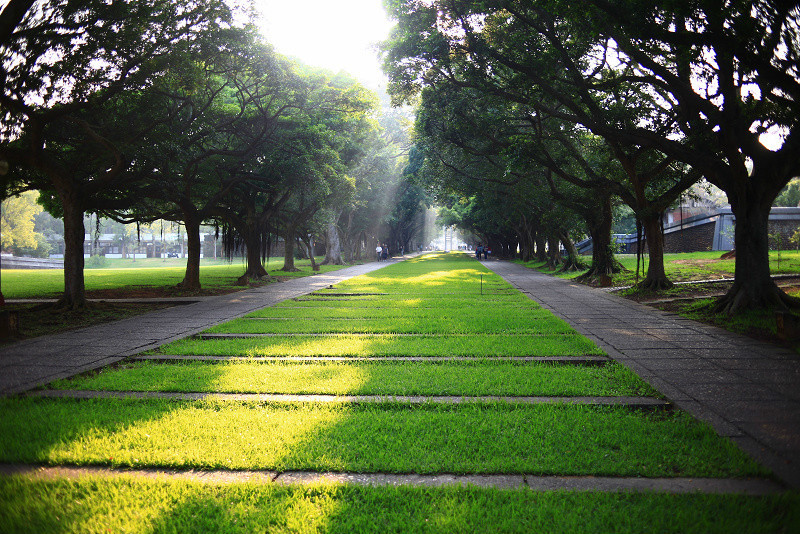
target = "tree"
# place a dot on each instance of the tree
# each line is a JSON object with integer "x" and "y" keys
{"x": 790, "y": 195}
{"x": 220, "y": 111}
{"x": 728, "y": 74}
{"x": 68, "y": 68}
{"x": 708, "y": 80}
{"x": 486, "y": 47}
{"x": 18, "y": 217}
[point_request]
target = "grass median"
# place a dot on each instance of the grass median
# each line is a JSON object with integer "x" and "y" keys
{"x": 94, "y": 505}
{"x": 369, "y": 378}
{"x": 446, "y": 305}
{"x": 390, "y": 437}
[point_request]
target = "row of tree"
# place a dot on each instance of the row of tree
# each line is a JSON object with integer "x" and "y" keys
{"x": 527, "y": 103}
{"x": 140, "y": 111}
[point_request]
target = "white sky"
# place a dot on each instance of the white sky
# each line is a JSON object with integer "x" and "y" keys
{"x": 334, "y": 34}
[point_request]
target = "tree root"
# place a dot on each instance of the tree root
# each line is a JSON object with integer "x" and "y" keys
{"x": 572, "y": 266}
{"x": 248, "y": 278}
{"x": 654, "y": 284}
{"x": 595, "y": 274}
{"x": 188, "y": 286}
{"x": 738, "y": 299}
{"x": 65, "y": 304}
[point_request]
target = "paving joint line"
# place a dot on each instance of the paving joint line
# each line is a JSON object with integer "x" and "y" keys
{"x": 598, "y": 400}
{"x": 230, "y": 335}
{"x": 569, "y": 360}
{"x": 523, "y": 481}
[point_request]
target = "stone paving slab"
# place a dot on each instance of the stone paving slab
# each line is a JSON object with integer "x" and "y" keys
{"x": 744, "y": 388}
{"x": 632, "y": 402}
{"x": 747, "y": 486}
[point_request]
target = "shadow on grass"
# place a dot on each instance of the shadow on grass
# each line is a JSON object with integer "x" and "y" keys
{"x": 158, "y": 506}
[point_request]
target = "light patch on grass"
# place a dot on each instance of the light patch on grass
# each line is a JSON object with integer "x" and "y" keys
{"x": 468, "y": 438}
{"x": 388, "y": 345}
{"x": 368, "y": 378}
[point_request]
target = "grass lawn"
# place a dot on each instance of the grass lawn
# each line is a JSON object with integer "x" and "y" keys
{"x": 392, "y": 437}
{"x": 125, "y": 277}
{"x": 688, "y": 266}
{"x": 127, "y": 504}
{"x": 369, "y": 378}
{"x": 388, "y": 345}
{"x": 434, "y": 305}
{"x": 145, "y": 278}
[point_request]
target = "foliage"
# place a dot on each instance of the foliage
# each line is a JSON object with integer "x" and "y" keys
{"x": 18, "y": 221}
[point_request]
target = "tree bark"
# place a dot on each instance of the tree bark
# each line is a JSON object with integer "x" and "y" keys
{"x": 74, "y": 296}
{"x": 288, "y": 254}
{"x": 541, "y": 249}
{"x": 333, "y": 246}
{"x": 191, "y": 279}
{"x": 656, "y": 278}
{"x": 255, "y": 271}
{"x": 553, "y": 253}
{"x": 310, "y": 248}
{"x": 603, "y": 262}
{"x": 753, "y": 287}
{"x": 573, "y": 261}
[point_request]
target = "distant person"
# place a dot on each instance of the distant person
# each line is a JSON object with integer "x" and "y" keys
{"x": 402, "y": 250}
{"x": 385, "y": 253}
{"x": 486, "y": 252}
{"x": 378, "y": 252}
{"x": 478, "y": 251}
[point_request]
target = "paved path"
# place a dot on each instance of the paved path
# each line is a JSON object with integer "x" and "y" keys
{"x": 31, "y": 363}
{"x": 747, "y": 390}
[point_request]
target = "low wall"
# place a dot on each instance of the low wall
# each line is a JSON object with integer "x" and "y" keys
{"x": 12, "y": 262}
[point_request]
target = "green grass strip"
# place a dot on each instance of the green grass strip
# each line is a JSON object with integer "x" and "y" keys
{"x": 388, "y": 345}
{"x": 93, "y": 505}
{"x": 361, "y": 378}
{"x": 401, "y": 325}
{"x": 490, "y": 438}
{"x": 351, "y": 311}
{"x": 41, "y": 283}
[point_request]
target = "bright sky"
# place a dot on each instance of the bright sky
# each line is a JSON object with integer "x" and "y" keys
{"x": 333, "y": 34}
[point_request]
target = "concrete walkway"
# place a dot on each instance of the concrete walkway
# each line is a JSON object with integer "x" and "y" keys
{"x": 31, "y": 363}
{"x": 747, "y": 390}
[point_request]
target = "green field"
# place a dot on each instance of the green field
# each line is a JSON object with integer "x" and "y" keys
{"x": 688, "y": 266}
{"x": 369, "y": 378}
{"x": 438, "y": 305}
{"x": 125, "y": 275}
{"x": 126, "y": 504}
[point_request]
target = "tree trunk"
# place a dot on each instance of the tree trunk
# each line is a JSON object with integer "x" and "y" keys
{"x": 255, "y": 271}
{"x": 288, "y": 254}
{"x": 191, "y": 280}
{"x": 753, "y": 288}
{"x": 573, "y": 261}
{"x": 541, "y": 249}
{"x": 333, "y": 246}
{"x": 74, "y": 296}
{"x": 307, "y": 241}
{"x": 656, "y": 278}
{"x": 604, "y": 265}
{"x": 553, "y": 253}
